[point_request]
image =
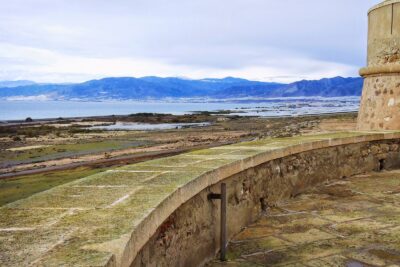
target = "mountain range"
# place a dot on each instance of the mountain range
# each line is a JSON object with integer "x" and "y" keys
{"x": 124, "y": 88}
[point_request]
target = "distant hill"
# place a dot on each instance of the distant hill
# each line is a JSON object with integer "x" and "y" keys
{"x": 11, "y": 84}
{"x": 337, "y": 86}
{"x": 158, "y": 88}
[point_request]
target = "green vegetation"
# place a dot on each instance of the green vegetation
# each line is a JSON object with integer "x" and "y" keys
{"x": 37, "y": 131}
{"x": 167, "y": 118}
{"x": 25, "y": 186}
{"x": 66, "y": 150}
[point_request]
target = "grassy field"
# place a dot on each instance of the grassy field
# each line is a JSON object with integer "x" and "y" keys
{"x": 25, "y": 186}
{"x": 66, "y": 150}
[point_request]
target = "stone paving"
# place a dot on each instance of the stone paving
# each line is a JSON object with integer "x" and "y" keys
{"x": 353, "y": 222}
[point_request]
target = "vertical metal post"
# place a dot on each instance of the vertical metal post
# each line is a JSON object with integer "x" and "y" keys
{"x": 223, "y": 234}
{"x": 223, "y": 222}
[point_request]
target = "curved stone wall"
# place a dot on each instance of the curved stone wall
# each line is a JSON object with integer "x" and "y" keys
{"x": 156, "y": 213}
{"x": 380, "y": 107}
{"x": 384, "y": 34}
{"x": 190, "y": 236}
{"x": 380, "y": 102}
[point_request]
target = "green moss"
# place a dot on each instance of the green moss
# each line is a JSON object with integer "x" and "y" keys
{"x": 74, "y": 197}
{"x": 27, "y": 218}
{"x": 145, "y": 168}
{"x": 25, "y": 186}
{"x": 104, "y": 208}
{"x": 115, "y": 178}
{"x": 211, "y": 164}
{"x": 259, "y": 245}
{"x": 282, "y": 142}
{"x": 71, "y": 253}
{"x": 19, "y": 244}
{"x": 175, "y": 161}
{"x": 336, "y": 260}
{"x": 211, "y": 151}
{"x": 174, "y": 180}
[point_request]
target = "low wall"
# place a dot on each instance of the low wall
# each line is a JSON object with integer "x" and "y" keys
{"x": 156, "y": 213}
{"x": 190, "y": 236}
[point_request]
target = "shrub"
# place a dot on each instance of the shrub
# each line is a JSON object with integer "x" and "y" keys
{"x": 16, "y": 138}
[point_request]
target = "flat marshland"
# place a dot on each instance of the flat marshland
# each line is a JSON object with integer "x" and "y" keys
{"x": 38, "y": 155}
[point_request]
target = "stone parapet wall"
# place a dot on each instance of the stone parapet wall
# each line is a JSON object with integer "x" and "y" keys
{"x": 156, "y": 213}
{"x": 190, "y": 236}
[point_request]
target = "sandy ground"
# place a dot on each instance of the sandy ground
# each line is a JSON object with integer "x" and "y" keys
{"x": 22, "y": 148}
{"x": 330, "y": 125}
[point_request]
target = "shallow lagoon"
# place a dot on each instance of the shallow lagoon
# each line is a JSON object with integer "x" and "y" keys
{"x": 132, "y": 126}
{"x": 278, "y": 107}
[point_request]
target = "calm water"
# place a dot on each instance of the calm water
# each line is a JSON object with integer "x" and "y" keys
{"x": 129, "y": 126}
{"x": 18, "y": 110}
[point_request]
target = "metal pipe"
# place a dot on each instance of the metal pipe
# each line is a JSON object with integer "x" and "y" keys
{"x": 223, "y": 222}
{"x": 223, "y": 231}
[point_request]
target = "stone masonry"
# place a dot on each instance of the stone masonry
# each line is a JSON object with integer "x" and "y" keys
{"x": 156, "y": 213}
{"x": 380, "y": 103}
{"x": 351, "y": 222}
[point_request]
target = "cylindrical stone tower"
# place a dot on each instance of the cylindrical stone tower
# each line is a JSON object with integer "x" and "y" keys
{"x": 380, "y": 102}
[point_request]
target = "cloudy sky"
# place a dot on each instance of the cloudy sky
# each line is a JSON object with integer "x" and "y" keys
{"x": 268, "y": 40}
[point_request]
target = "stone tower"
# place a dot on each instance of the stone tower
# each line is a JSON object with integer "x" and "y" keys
{"x": 380, "y": 102}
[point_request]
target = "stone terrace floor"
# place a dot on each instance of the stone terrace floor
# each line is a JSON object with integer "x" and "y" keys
{"x": 353, "y": 222}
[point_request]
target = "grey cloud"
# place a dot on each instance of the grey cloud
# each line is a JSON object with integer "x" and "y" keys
{"x": 204, "y": 33}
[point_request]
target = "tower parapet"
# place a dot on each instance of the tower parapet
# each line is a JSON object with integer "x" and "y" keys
{"x": 380, "y": 102}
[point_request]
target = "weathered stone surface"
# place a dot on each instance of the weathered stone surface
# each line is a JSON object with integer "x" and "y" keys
{"x": 360, "y": 235}
{"x": 269, "y": 184}
{"x": 380, "y": 103}
{"x": 380, "y": 107}
{"x": 157, "y": 212}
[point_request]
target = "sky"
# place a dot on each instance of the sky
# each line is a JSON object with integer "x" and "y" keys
{"x": 266, "y": 40}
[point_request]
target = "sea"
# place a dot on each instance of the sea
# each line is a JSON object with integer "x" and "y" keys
{"x": 270, "y": 107}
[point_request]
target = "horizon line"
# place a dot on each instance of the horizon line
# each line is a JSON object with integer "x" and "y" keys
{"x": 176, "y": 77}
